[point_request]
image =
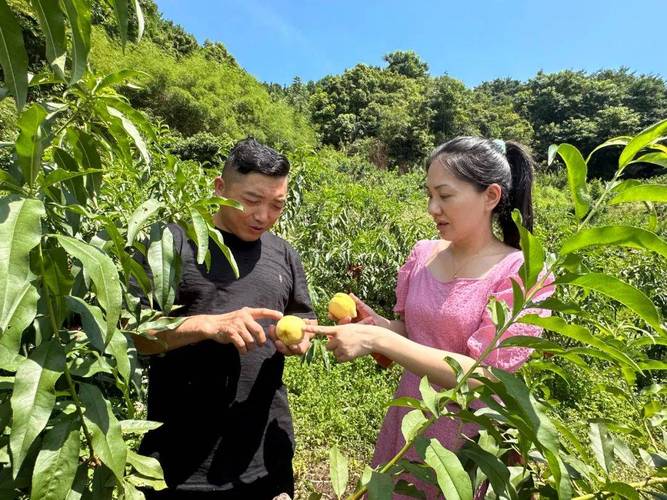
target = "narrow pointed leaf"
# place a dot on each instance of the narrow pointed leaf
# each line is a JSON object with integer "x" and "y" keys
{"x": 132, "y": 131}
{"x": 622, "y": 490}
{"x": 13, "y": 56}
{"x": 533, "y": 254}
{"x": 57, "y": 461}
{"x": 656, "y": 193}
{"x": 20, "y": 232}
{"x": 577, "y": 170}
{"x": 30, "y": 142}
{"x": 52, "y": 21}
{"x": 218, "y": 240}
{"x": 616, "y": 141}
{"x": 34, "y": 397}
{"x": 581, "y": 334}
{"x": 140, "y": 217}
{"x": 380, "y": 486}
{"x": 103, "y": 273}
{"x": 201, "y": 234}
{"x": 626, "y": 236}
{"x": 79, "y": 15}
{"x": 140, "y": 20}
{"x": 118, "y": 349}
{"x": 164, "y": 264}
{"x": 121, "y": 10}
{"x": 92, "y": 321}
{"x": 412, "y": 423}
{"x": 640, "y": 141}
{"x": 146, "y": 466}
{"x": 338, "y": 471}
{"x": 659, "y": 158}
{"x": 493, "y": 468}
{"x": 429, "y": 396}
{"x": 602, "y": 445}
{"x": 138, "y": 426}
{"x": 18, "y": 318}
{"x": 120, "y": 76}
{"x": 612, "y": 287}
{"x": 105, "y": 430}
{"x": 453, "y": 480}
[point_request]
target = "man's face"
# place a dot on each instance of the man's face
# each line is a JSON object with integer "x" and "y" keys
{"x": 263, "y": 198}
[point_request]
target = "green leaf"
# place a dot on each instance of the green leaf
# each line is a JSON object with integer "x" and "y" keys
{"x": 164, "y": 264}
{"x": 533, "y": 254}
{"x": 577, "y": 170}
{"x": 626, "y": 236}
{"x": 656, "y": 193}
{"x": 57, "y": 461}
{"x": 146, "y": 466}
{"x": 616, "y": 141}
{"x": 338, "y": 471}
{"x": 140, "y": 20}
{"x": 612, "y": 287}
{"x": 412, "y": 424}
{"x": 60, "y": 175}
{"x": 201, "y": 234}
{"x": 19, "y": 318}
{"x": 139, "y": 218}
{"x": 493, "y": 468}
{"x": 34, "y": 397}
{"x": 429, "y": 396}
{"x": 219, "y": 240}
{"x": 118, "y": 349}
{"x": 581, "y": 334}
{"x": 160, "y": 325}
{"x": 640, "y": 141}
{"x": 20, "y": 232}
{"x": 30, "y": 142}
{"x": 380, "y": 486}
{"x": 117, "y": 77}
{"x": 13, "y": 57}
{"x": 92, "y": 321}
{"x": 80, "y": 483}
{"x": 138, "y": 426}
{"x": 104, "y": 428}
{"x": 453, "y": 480}
{"x": 132, "y": 131}
{"x": 120, "y": 7}
{"x": 623, "y": 452}
{"x": 52, "y": 21}
{"x": 602, "y": 445}
{"x": 103, "y": 273}
{"x": 623, "y": 490}
{"x": 659, "y": 158}
{"x": 78, "y": 12}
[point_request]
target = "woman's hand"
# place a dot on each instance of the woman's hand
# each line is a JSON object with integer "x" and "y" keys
{"x": 349, "y": 341}
{"x": 366, "y": 315}
{"x": 295, "y": 349}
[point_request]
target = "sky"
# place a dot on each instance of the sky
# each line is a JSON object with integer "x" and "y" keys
{"x": 471, "y": 40}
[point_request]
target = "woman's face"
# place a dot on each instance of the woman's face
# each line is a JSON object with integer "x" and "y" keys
{"x": 458, "y": 208}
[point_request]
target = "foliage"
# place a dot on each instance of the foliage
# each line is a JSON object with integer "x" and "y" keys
{"x": 69, "y": 284}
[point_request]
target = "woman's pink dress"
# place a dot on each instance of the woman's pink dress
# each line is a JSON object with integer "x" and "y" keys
{"x": 451, "y": 316}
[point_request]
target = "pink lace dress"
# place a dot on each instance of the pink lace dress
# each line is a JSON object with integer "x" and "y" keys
{"x": 451, "y": 316}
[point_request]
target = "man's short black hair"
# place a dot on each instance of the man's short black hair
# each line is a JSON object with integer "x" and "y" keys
{"x": 249, "y": 156}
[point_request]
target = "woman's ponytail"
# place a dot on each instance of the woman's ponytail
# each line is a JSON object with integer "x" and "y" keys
{"x": 520, "y": 194}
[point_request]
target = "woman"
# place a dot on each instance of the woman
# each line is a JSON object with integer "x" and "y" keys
{"x": 445, "y": 285}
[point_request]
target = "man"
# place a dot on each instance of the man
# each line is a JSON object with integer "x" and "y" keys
{"x": 218, "y": 388}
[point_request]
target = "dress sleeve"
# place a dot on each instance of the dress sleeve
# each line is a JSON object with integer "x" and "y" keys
{"x": 507, "y": 358}
{"x": 403, "y": 280}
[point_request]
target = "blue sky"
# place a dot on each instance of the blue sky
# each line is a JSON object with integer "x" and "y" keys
{"x": 472, "y": 40}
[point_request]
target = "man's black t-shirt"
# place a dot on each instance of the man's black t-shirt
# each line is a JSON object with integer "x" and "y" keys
{"x": 226, "y": 417}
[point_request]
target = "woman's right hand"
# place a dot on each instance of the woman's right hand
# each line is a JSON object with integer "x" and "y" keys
{"x": 366, "y": 315}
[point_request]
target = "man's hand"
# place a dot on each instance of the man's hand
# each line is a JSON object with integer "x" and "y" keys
{"x": 237, "y": 327}
{"x": 295, "y": 349}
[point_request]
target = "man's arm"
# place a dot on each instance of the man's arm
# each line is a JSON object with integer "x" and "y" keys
{"x": 237, "y": 327}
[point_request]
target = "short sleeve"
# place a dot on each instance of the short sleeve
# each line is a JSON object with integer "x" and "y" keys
{"x": 507, "y": 358}
{"x": 299, "y": 301}
{"x": 403, "y": 279}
